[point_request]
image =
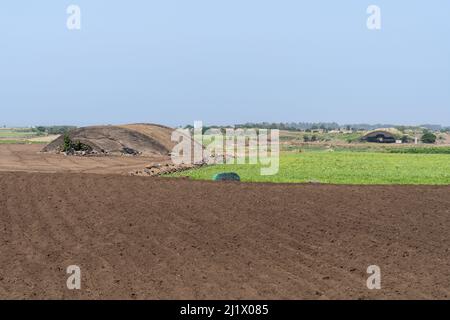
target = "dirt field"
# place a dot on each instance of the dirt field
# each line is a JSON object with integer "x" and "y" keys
{"x": 18, "y": 157}
{"x": 140, "y": 238}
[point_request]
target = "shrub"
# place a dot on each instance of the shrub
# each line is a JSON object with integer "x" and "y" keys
{"x": 405, "y": 139}
{"x": 78, "y": 146}
{"x": 69, "y": 145}
{"x": 428, "y": 137}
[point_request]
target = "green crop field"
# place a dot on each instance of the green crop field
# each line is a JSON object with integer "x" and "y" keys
{"x": 343, "y": 168}
{"x": 17, "y": 133}
{"x": 20, "y": 142}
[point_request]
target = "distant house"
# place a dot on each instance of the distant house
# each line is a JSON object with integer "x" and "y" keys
{"x": 383, "y": 135}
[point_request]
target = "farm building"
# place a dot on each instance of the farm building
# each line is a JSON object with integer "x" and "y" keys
{"x": 384, "y": 135}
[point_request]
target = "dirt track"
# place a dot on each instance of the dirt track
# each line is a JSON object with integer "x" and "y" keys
{"x": 137, "y": 238}
{"x": 24, "y": 157}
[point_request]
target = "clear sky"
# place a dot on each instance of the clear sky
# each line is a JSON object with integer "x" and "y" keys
{"x": 224, "y": 62}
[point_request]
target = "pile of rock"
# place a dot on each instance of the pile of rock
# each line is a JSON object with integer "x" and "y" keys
{"x": 80, "y": 153}
{"x": 160, "y": 169}
{"x": 166, "y": 168}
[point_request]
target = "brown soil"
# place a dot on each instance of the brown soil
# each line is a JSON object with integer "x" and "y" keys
{"x": 160, "y": 238}
{"x": 159, "y": 133}
{"x": 17, "y": 157}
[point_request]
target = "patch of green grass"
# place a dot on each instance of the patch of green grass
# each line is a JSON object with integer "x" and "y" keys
{"x": 423, "y": 150}
{"x": 343, "y": 168}
{"x": 370, "y": 147}
{"x": 17, "y": 133}
{"x": 21, "y": 142}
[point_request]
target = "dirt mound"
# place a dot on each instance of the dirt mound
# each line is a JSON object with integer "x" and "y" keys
{"x": 158, "y": 132}
{"x": 146, "y": 139}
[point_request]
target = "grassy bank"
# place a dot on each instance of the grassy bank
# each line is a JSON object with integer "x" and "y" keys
{"x": 343, "y": 168}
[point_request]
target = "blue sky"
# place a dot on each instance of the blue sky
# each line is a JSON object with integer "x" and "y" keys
{"x": 224, "y": 62}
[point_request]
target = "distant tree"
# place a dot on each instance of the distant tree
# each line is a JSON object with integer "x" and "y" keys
{"x": 314, "y": 138}
{"x": 428, "y": 137}
{"x": 405, "y": 139}
{"x": 306, "y": 138}
{"x": 401, "y": 129}
{"x": 58, "y": 129}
